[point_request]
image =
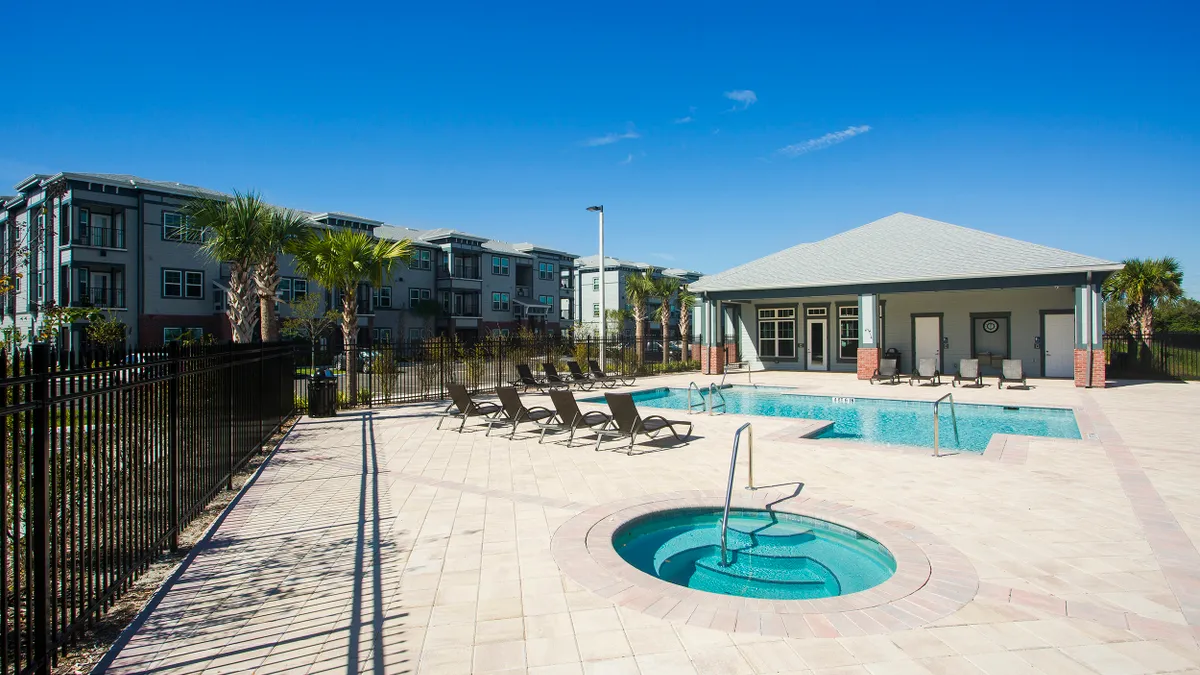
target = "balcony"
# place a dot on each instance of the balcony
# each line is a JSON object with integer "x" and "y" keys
{"x": 101, "y": 297}
{"x": 100, "y": 237}
{"x": 524, "y": 292}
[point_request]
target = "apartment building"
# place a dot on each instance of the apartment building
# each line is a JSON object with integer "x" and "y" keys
{"x": 121, "y": 243}
{"x": 589, "y": 282}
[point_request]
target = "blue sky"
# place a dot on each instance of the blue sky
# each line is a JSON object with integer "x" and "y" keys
{"x": 1068, "y": 125}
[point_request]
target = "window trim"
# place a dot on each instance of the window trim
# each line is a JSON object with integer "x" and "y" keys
{"x": 183, "y": 283}
{"x": 183, "y": 228}
{"x": 840, "y": 318}
{"x": 773, "y": 317}
{"x": 501, "y": 302}
{"x": 501, "y": 265}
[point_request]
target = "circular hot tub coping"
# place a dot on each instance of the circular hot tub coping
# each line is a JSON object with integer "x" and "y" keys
{"x": 932, "y": 579}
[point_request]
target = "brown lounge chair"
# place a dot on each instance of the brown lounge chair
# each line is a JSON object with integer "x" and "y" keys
{"x": 580, "y": 378}
{"x": 464, "y": 407}
{"x": 526, "y": 379}
{"x": 968, "y": 371}
{"x": 514, "y": 412}
{"x": 550, "y": 374}
{"x": 599, "y": 374}
{"x": 926, "y": 370}
{"x": 571, "y": 419}
{"x": 629, "y": 423}
{"x": 1012, "y": 371}
{"x": 889, "y": 370}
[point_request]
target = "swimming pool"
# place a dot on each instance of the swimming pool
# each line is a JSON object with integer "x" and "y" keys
{"x": 877, "y": 420}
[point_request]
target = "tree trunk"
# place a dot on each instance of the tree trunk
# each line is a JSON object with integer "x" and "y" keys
{"x": 1146, "y": 330}
{"x": 685, "y": 334}
{"x": 350, "y": 340}
{"x": 664, "y": 319}
{"x": 239, "y": 311}
{"x": 639, "y": 334}
{"x": 266, "y": 280}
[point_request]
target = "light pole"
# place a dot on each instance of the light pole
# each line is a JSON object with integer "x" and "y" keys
{"x": 603, "y": 288}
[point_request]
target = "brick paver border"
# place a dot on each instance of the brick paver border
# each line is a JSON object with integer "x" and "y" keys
{"x": 932, "y": 580}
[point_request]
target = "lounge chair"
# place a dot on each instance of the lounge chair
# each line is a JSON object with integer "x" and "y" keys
{"x": 597, "y": 373}
{"x": 629, "y": 423}
{"x": 968, "y": 371}
{"x": 552, "y": 378}
{"x": 926, "y": 370}
{"x": 1012, "y": 371}
{"x": 606, "y": 381}
{"x": 513, "y": 412}
{"x": 526, "y": 379}
{"x": 463, "y": 407}
{"x": 571, "y": 419}
{"x": 888, "y": 370}
{"x": 580, "y": 378}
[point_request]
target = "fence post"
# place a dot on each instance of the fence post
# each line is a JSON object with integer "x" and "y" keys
{"x": 40, "y": 518}
{"x": 173, "y": 362}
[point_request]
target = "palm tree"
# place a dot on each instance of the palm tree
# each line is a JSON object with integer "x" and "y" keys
{"x": 340, "y": 260}
{"x": 229, "y": 232}
{"x": 638, "y": 289}
{"x": 1141, "y": 284}
{"x": 279, "y": 233}
{"x": 665, "y": 289}
{"x": 687, "y": 302}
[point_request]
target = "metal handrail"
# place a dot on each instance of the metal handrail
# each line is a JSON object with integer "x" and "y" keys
{"x": 692, "y": 408}
{"x": 713, "y": 393}
{"x": 953, "y": 418}
{"x": 729, "y": 487}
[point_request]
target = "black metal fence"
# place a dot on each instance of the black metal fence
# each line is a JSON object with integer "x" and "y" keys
{"x": 419, "y": 370}
{"x": 106, "y": 459}
{"x": 1163, "y": 356}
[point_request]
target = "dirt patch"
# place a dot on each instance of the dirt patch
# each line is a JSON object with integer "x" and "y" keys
{"x": 91, "y": 645}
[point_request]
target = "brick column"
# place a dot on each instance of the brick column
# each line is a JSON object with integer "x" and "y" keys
{"x": 730, "y": 352}
{"x": 868, "y": 362}
{"x": 712, "y": 360}
{"x": 1098, "y": 367}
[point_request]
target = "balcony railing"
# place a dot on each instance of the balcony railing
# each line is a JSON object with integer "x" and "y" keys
{"x": 101, "y": 237}
{"x": 460, "y": 273}
{"x": 102, "y": 297}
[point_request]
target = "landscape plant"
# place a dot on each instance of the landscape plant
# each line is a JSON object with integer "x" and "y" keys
{"x": 639, "y": 288}
{"x": 687, "y": 302}
{"x": 1142, "y": 284}
{"x": 277, "y": 233}
{"x": 664, "y": 290}
{"x": 229, "y": 235}
{"x": 309, "y": 323}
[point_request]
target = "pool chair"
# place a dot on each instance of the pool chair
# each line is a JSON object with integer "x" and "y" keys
{"x": 580, "y": 378}
{"x": 463, "y": 407}
{"x": 551, "y": 376}
{"x": 513, "y": 412}
{"x": 526, "y": 379}
{"x": 599, "y": 374}
{"x": 606, "y": 381}
{"x": 570, "y": 418}
{"x": 888, "y": 371}
{"x": 968, "y": 371}
{"x": 926, "y": 370}
{"x": 628, "y": 423}
{"x": 1012, "y": 371}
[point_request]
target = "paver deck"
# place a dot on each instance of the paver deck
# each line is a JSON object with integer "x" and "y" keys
{"x": 372, "y": 542}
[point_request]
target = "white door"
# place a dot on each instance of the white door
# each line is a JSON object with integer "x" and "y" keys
{"x": 927, "y": 331}
{"x": 818, "y": 359}
{"x": 1059, "y": 345}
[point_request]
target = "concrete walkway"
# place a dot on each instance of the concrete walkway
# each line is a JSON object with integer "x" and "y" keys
{"x": 374, "y": 543}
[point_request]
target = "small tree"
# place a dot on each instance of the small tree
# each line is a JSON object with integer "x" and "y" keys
{"x": 309, "y": 323}
{"x": 664, "y": 290}
{"x": 279, "y": 231}
{"x": 106, "y": 330}
{"x": 687, "y": 302}
{"x": 638, "y": 289}
{"x": 1142, "y": 285}
{"x": 428, "y": 311}
{"x": 230, "y": 235}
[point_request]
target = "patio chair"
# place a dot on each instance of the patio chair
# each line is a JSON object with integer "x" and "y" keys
{"x": 628, "y": 423}
{"x": 968, "y": 371}
{"x": 599, "y": 374}
{"x": 580, "y": 378}
{"x": 926, "y": 370}
{"x": 526, "y": 379}
{"x": 464, "y": 407}
{"x": 1012, "y": 371}
{"x": 513, "y": 412}
{"x": 552, "y": 378}
{"x": 571, "y": 419}
{"x": 888, "y": 370}
{"x": 606, "y": 381}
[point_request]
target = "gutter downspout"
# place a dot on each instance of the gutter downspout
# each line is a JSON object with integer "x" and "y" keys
{"x": 1091, "y": 310}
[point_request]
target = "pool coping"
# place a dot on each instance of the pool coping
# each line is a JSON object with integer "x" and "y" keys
{"x": 932, "y": 579}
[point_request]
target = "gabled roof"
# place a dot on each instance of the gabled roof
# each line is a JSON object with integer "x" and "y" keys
{"x": 610, "y": 262}
{"x": 896, "y": 249}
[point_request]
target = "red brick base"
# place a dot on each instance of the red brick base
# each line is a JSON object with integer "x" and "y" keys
{"x": 712, "y": 360}
{"x": 1098, "y": 359}
{"x": 868, "y": 362}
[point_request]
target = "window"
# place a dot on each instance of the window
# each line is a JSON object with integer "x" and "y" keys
{"x": 848, "y": 333}
{"x": 292, "y": 289}
{"x": 595, "y": 309}
{"x": 84, "y": 221}
{"x": 817, "y": 312}
{"x": 414, "y": 333}
{"x": 500, "y": 265}
{"x": 545, "y": 270}
{"x": 422, "y": 260}
{"x": 416, "y": 295}
{"x": 596, "y": 283}
{"x": 382, "y": 297}
{"x": 284, "y": 292}
{"x": 381, "y": 336}
{"x": 499, "y": 332}
{"x": 182, "y": 334}
{"x": 546, "y": 300}
{"x": 299, "y": 288}
{"x": 777, "y": 333}
{"x": 182, "y": 284}
{"x": 500, "y": 302}
{"x": 177, "y": 227}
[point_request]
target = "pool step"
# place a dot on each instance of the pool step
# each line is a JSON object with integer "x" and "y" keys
{"x": 768, "y": 569}
{"x": 784, "y": 546}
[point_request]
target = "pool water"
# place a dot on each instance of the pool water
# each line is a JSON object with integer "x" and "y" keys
{"x": 771, "y": 555}
{"x": 885, "y": 421}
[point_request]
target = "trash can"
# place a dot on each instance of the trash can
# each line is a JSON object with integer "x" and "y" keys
{"x": 322, "y": 395}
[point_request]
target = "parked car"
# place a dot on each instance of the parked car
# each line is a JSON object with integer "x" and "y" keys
{"x": 366, "y": 361}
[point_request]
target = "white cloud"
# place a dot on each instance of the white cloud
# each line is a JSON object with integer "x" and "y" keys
{"x": 612, "y": 137}
{"x": 744, "y": 96}
{"x": 628, "y": 159}
{"x": 682, "y": 120}
{"x": 822, "y": 142}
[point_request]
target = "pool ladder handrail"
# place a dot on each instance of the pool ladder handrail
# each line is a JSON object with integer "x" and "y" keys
{"x": 714, "y": 392}
{"x": 729, "y": 487}
{"x": 953, "y": 418}
{"x": 691, "y": 406}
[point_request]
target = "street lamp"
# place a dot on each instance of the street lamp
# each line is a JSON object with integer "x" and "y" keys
{"x": 603, "y": 288}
